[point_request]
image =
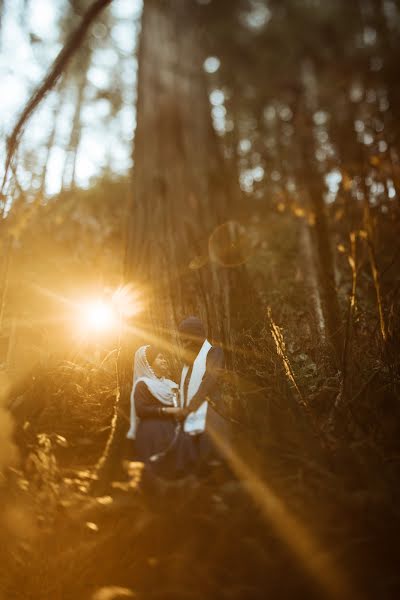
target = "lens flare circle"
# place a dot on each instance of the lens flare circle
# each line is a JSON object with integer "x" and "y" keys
{"x": 230, "y": 244}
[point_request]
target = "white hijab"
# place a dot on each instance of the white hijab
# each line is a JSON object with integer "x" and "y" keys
{"x": 162, "y": 389}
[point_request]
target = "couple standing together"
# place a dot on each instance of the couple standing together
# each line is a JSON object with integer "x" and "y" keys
{"x": 170, "y": 422}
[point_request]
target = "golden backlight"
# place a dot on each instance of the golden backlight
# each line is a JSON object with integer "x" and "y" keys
{"x": 98, "y": 315}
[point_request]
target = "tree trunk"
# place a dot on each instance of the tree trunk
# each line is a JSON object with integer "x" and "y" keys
{"x": 326, "y": 271}
{"x": 181, "y": 194}
{"x": 312, "y": 182}
{"x": 181, "y": 186}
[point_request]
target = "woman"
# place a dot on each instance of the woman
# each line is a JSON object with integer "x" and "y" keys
{"x": 153, "y": 409}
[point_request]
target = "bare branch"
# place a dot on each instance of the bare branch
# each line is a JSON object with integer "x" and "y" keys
{"x": 56, "y": 70}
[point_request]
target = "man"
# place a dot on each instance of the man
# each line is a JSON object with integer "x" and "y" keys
{"x": 200, "y": 382}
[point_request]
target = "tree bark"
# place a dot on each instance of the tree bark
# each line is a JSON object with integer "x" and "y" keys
{"x": 181, "y": 186}
{"x": 326, "y": 271}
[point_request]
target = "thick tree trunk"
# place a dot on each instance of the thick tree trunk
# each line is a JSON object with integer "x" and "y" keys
{"x": 181, "y": 194}
{"x": 181, "y": 187}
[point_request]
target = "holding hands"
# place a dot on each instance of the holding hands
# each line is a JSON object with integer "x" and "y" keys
{"x": 180, "y": 414}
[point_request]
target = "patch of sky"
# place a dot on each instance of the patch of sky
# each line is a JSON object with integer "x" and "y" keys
{"x": 217, "y": 97}
{"x": 16, "y": 89}
{"x": 249, "y": 176}
{"x": 91, "y": 156}
{"x": 257, "y": 16}
{"x": 246, "y": 181}
{"x": 320, "y": 117}
{"x": 368, "y": 139}
{"x": 55, "y": 168}
{"x": 23, "y": 64}
{"x": 391, "y": 189}
{"x": 127, "y": 122}
{"x": 382, "y": 146}
{"x": 128, "y": 73}
{"x": 211, "y": 64}
{"x": 123, "y": 36}
{"x": 124, "y": 9}
{"x": 244, "y": 146}
{"x": 118, "y": 159}
{"x": 332, "y": 180}
{"x": 43, "y": 16}
{"x": 99, "y": 77}
{"x": 218, "y": 112}
{"x": 377, "y": 188}
{"x": 258, "y": 173}
{"x": 105, "y": 57}
{"x": 64, "y": 120}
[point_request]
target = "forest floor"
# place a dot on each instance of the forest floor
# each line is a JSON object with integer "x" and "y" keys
{"x": 278, "y": 524}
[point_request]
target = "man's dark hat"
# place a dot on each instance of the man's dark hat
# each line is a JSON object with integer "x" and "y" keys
{"x": 193, "y": 327}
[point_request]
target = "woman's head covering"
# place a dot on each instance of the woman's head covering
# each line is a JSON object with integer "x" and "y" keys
{"x": 159, "y": 387}
{"x": 151, "y": 353}
{"x": 192, "y": 327}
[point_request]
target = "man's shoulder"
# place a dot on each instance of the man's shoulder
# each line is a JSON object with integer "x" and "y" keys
{"x": 216, "y": 353}
{"x": 215, "y": 349}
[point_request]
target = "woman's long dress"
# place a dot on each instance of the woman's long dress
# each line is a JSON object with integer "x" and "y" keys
{"x": 155, "y": 430}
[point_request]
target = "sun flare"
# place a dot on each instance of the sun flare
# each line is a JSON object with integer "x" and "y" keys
{"x": 97, "y": 315}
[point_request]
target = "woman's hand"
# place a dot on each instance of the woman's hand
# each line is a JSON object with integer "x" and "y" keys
{"x": 171, "y": 410}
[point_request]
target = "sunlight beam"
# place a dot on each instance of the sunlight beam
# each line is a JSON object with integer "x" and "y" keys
{"x": 316, "y": 561}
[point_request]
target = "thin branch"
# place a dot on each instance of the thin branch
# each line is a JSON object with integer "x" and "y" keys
{"x": 56, "y": 70}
